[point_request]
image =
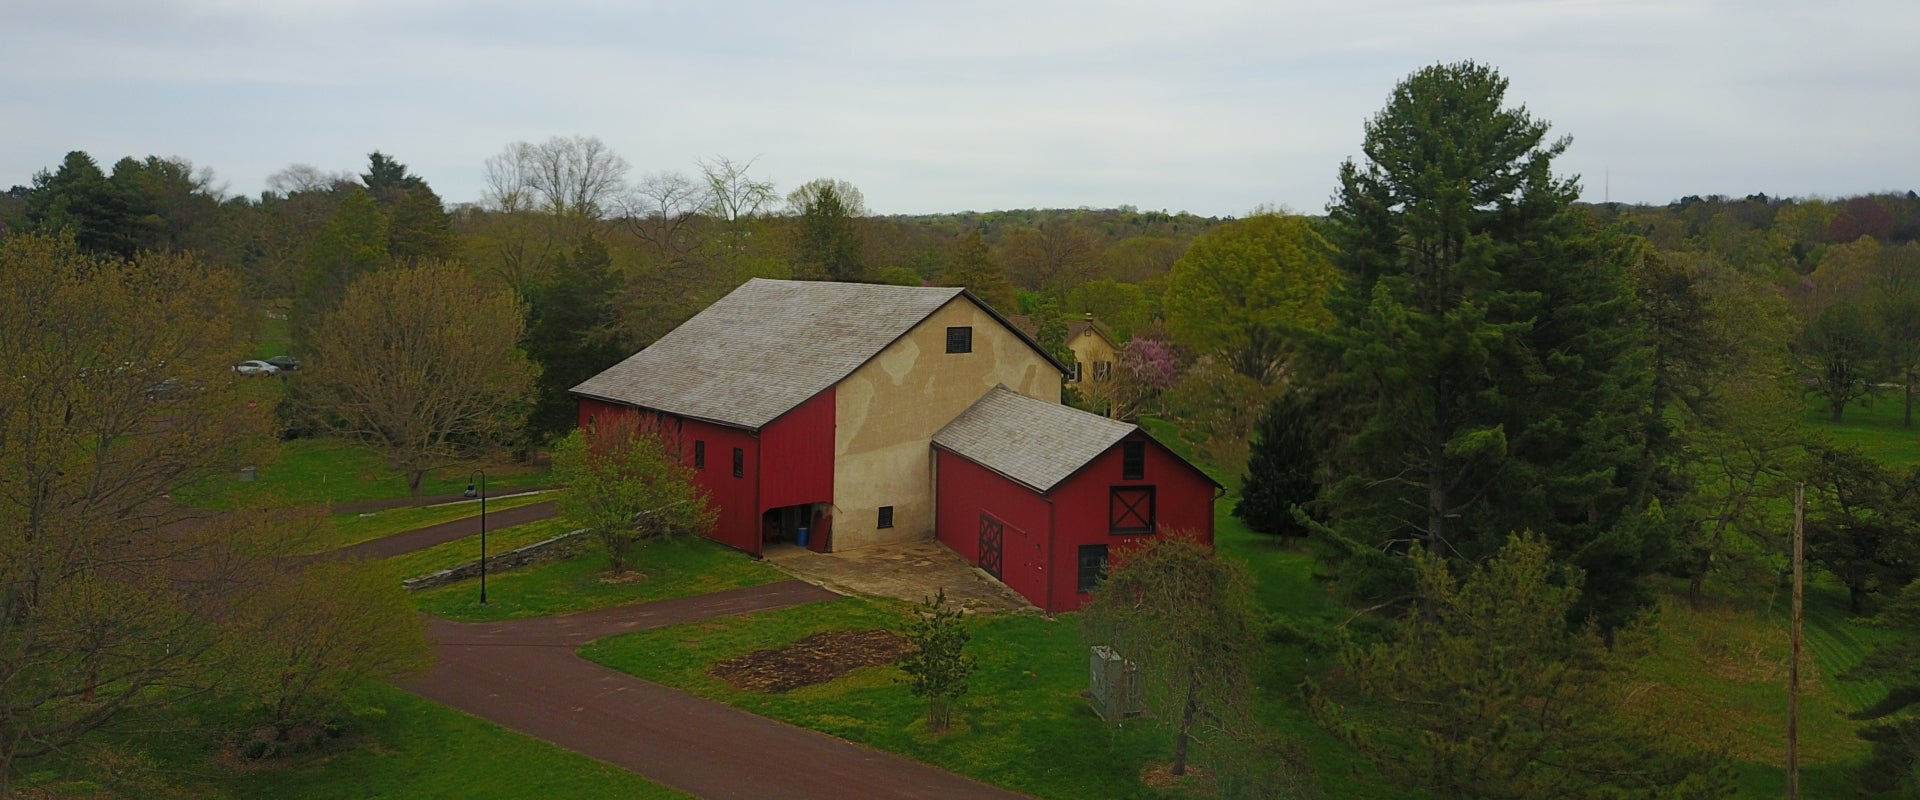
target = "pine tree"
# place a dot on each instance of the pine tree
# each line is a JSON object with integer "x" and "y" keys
{"x": 829, "y": 244}
{"x": 573, "y": 334}
{"x": 1486, "y": 353}
{"x": 1280, "y": 471}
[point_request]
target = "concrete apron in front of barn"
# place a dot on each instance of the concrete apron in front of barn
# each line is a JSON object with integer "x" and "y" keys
{"x": 911, "y": 571}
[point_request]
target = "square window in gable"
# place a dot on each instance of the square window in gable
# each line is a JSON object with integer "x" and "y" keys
{"x": 960, "y": 339}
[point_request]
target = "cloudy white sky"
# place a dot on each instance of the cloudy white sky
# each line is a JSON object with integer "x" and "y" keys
{"x": 1209, "y": 107}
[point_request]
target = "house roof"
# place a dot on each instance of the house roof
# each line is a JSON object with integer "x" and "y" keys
{"x": 1031, "y": 441}
{"x": 767, "y": 347}
{"x": 1080, "y": 326}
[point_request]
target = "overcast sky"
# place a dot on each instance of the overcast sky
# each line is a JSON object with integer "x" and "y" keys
{"x": 1209, "y": 107}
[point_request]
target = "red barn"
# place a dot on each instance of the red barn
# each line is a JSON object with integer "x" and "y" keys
{"x": 815, "y": 405}
{"x": 1039, "y": 494}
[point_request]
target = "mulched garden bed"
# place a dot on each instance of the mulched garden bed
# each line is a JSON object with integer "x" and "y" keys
{"x": 815, "y": 659}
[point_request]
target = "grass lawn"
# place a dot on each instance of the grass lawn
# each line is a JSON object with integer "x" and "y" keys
{"x": 398, "y": 746}
{"x": 461, "y": 551}
{"x": 1875, "y": 429}
{"x": 1024, "y": 725}
{"x": 351, "y": 529}
{"x": 418, "y": 748}
{"x": 1718, "y": 677}
{"x": 672, "y": 568}
{"x": 316, "y": 471}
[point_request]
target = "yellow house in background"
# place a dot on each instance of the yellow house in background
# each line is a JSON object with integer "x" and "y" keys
{"x": 1094, "y": 351}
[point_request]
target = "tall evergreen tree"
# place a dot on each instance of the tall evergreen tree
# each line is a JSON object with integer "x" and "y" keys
{"x": 829, "y": 245}
{"x": 1280, "y": 470}
{"x": 1486, "y": 351}
{"x": 79, "y": 199}
{"x": 573, "y": 333}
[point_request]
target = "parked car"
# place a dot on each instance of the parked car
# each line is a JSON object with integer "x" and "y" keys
{"x": 256, "y": 368}
{"x": 285, "y": 363}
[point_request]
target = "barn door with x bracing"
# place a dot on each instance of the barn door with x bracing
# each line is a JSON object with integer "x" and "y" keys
{"x": 992, "y": 532}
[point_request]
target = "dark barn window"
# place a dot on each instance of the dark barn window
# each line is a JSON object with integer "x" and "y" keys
{"x": 886, "y": 516}
{"x": 1093, "y": 566}
{"x": 699, "y": 454}
{"x": 1130, "y": 510}
{"x": 739, "y": 463}
{"x": 1133, "y": 461}
{"x": 960, "y": 339}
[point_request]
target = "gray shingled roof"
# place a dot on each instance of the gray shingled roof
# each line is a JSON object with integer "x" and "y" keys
{"x": 765, "y": 348}
{"x": 1031, "y": 441}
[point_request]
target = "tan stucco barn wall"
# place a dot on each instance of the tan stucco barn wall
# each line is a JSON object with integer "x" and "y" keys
{"x": 887, "y": 411}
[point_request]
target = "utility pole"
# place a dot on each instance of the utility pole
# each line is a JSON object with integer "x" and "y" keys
{"x": 1793, "y": 669}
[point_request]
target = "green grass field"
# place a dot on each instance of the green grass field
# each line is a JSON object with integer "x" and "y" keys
{"x": 1024, "y": 725}
{"x": 669, "y": 568}
{"x": 397, "y": 746}
{"x": 1876, "y": 428}
{"x": 461, "y": 551}
{"x": 316, "y": 471}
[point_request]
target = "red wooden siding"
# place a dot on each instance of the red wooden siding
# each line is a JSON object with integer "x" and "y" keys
{"x": 1183, "y": 501}
{"x": 738, "y": 523}
{"x": 796, "y": 466}
{"x": 1043, "y": 533}
{"x": 966, "y": 490}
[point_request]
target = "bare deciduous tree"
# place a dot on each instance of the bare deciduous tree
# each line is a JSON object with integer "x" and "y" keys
{"x": 424, "y": 363}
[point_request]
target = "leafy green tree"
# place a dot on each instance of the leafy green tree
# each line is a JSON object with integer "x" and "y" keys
{"x": 1485, "y": 692}
{"x": 310, "y": 637}
{"x": 419, "y": 227}
{"x": 1841, "y": 350}
{"x": 1279, "y": 481}
{"x": 574, "y": 334}
{"x": 626, "y": 485}
{"x": 1122, "y": 306}
{"x": 1486, "y": 357}
{"x": 423, "y": 363}
{"x": 1243, "y": 289}
{"x": 973, "y": 266}
{"x": 353, "y": 243}
{"x": 1899, "y": 322}
{"x": 1188, "y": 619}
{"x": 829, "y": 243}
{"x": 1894, "y": 765}
{"x": 107, "y": 609}
{"x": 1859, "y": 528}
{"x": 938, "y": 669}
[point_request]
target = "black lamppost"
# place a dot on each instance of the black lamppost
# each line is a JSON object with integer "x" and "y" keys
{"x": 483, "y": 530}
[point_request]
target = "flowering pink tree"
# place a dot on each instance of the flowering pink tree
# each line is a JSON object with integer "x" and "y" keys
{"x": 1147, "y": 368}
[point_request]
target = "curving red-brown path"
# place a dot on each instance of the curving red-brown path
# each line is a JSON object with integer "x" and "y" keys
{"x": 432, "y": 535}
{"x": 523, "y": 674}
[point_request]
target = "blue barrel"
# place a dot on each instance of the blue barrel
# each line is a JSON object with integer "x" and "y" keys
{"x": 800, "y": 537}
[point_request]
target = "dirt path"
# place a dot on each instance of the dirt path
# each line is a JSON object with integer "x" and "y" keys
{"x": 423, "y": 538}
{"x": 523, "y": 674}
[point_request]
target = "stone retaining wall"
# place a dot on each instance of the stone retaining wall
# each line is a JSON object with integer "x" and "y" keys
{"x": 556, "y": 547}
